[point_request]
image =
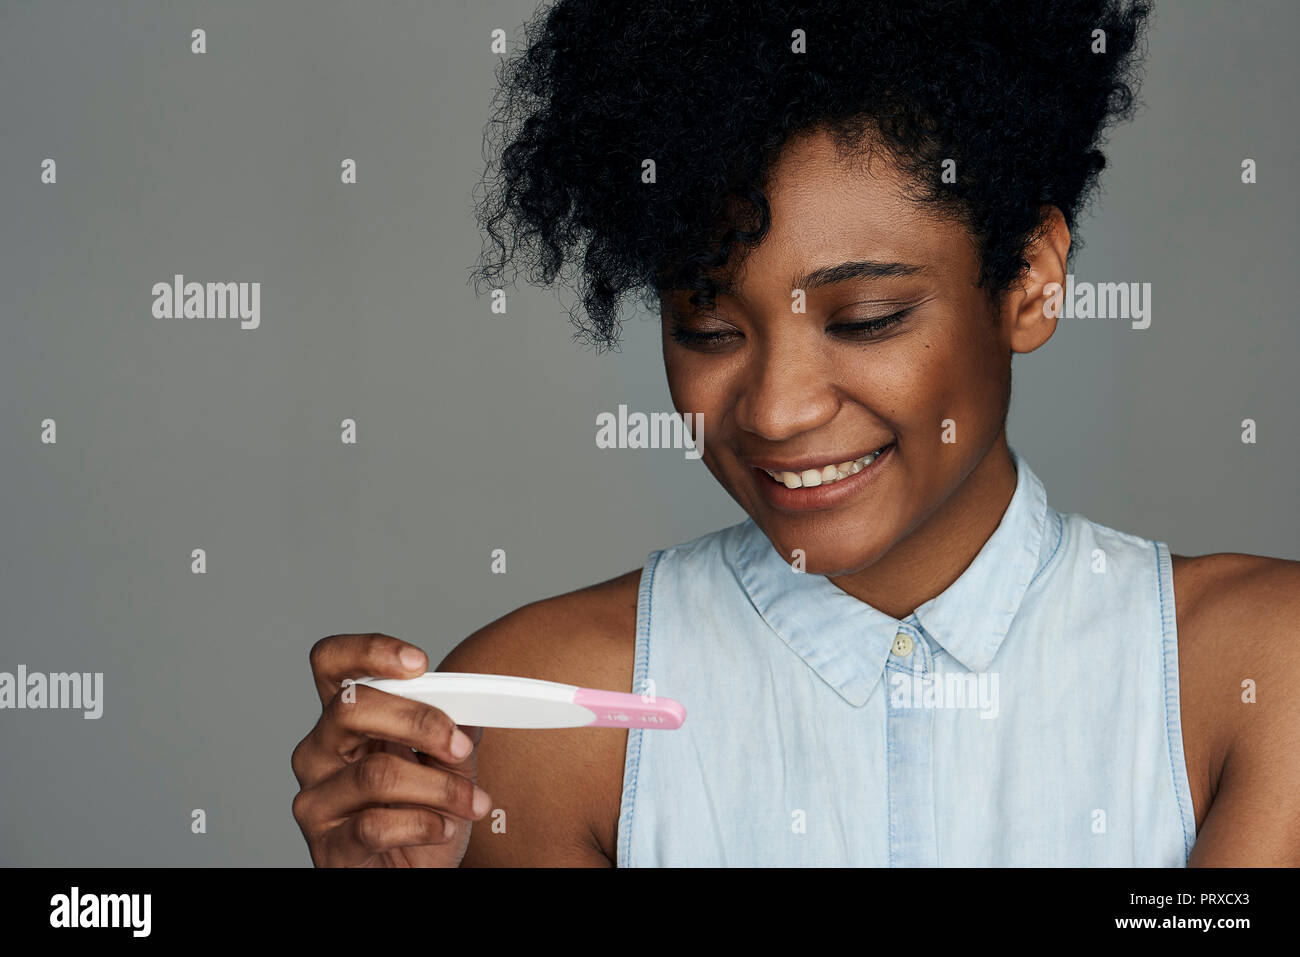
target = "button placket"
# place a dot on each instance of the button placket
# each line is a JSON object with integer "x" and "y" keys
{"x": 910, "y": 761}
{"x": 911, "y": 653}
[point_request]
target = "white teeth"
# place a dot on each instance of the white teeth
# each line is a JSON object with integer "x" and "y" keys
{"x": 826, "y": 475}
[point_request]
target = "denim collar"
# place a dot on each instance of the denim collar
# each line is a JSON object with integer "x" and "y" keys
{"x": 847, "y": 642}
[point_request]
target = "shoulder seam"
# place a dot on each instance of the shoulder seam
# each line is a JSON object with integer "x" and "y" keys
{"x": 1131, "y": 537}
{"x": 1168, "y": 631}
{"x": 641, "y": 661}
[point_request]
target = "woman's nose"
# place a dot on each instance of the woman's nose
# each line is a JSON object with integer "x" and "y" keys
{"x": 786, "y": 392}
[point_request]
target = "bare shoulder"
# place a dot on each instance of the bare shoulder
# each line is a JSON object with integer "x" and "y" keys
{"x": 1239, "y": 663}
{"x": 555, "y": 792}
{"x": 1236, "y": 610}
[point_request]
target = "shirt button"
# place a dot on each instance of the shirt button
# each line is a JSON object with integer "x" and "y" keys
{"x": 902, "y": 644}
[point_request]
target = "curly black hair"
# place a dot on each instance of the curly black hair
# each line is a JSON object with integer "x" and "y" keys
{"x": 1016, "y": 92}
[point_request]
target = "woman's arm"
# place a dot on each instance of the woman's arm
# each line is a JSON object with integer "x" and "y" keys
{"x": 555, "y": 792}
{"x": 1245, "y": 612}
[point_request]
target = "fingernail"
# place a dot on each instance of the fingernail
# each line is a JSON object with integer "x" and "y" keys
{"x": 412, "y": 659}
{"x": 481, "y": 801}
{"x": 461, "y": 745}
{"x": 448, "y": 827}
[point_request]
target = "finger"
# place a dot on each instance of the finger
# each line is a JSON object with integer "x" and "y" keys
{"x": 311, "y": 763}
{"x": 376, "y": 830}
{"x": 382, "y": 778}
{"x": 329, "y": 747}
{"x": 359, "y": 656}
{"x": 376, "y": 715}
{"x": 468, "y": 765}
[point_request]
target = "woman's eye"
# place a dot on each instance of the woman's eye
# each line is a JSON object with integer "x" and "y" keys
{"x": 855, "y": 330}
{"x": 703, "y": 339}
{"x": 868, "y": 328}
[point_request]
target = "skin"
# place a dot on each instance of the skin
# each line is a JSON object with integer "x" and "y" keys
{"x": 775, "y": 384}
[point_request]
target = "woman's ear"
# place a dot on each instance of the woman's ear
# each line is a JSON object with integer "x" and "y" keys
{"x": 1030, "y": 311}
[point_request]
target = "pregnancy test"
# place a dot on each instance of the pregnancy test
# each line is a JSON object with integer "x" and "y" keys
{"x": 507, "y": 701}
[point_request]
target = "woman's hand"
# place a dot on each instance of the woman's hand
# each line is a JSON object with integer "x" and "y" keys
{"x": 367, "y": 799}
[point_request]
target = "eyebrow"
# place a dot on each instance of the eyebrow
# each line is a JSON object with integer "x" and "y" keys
{"x": 866, "y": 269}
{"x": 844, "y": 272}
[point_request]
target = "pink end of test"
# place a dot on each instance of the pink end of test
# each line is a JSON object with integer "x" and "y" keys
{"x": 618, "y": 709}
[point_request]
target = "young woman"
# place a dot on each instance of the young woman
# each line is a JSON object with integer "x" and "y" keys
{"x": 856, "y": 214}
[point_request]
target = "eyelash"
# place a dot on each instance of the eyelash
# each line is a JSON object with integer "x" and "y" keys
{"x": 866, "y": 329}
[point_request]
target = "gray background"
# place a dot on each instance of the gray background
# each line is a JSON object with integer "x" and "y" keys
{"x": 475, "y": 431}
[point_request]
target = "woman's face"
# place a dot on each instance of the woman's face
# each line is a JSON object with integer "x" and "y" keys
{"x": 791, "y": 391}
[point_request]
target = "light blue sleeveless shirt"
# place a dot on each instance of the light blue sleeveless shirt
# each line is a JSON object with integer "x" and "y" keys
{"x": 1026, "y": 716}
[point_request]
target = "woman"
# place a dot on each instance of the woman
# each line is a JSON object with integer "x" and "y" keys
{"x": 850, "y": 216}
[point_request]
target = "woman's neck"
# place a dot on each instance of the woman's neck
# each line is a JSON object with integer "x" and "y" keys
{"x": 935, "y": 553}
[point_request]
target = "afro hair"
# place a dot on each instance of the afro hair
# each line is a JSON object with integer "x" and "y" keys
{"x": 1019, "y": 93}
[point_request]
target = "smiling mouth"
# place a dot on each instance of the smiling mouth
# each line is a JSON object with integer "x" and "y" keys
{"x": 826, "y": 474}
